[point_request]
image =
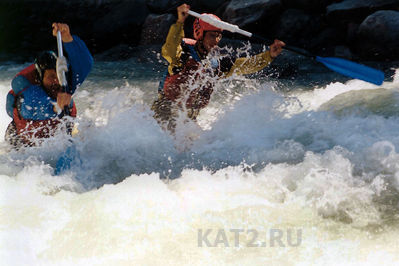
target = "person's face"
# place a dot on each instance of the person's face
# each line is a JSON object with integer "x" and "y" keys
{"x": 51, "y": 83}
{"x": 211, "y": 39}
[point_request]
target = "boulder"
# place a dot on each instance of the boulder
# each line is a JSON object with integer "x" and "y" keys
{"x": 157, "y": 6}
{"x": 209, "y": 6}
{"x": 26, "y": 25}
{"x": 293, "y": 24}
{"x": 351, "y": 32}
{"x": 156, "y": 28}
{"x": 378, "y": 35}
{"x": 169, "y": 6}
{"x": 244, "y": 13}
{"x": 316, "y": 25}
{"x": 307, "y": 4}
{"x": 162, "y": 6}
{"x": 343, "y": 52}
{"x": 147, "y": 53}
{"x": 122, "y": 24}
{"x": 326, "y": 40}
{"x": 357, "y": 10}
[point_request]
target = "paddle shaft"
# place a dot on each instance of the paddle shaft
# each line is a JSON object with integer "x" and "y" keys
{"x": 342, "y": 66}
{"x": 339, "y": 65}
{"x": 286, "y": 47}
{"x": 66, "y": 110}
{"x": 234, "y": 28}
{"x": 61, "y": 54}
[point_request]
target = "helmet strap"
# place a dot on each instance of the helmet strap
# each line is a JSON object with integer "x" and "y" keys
{"x": 201, "y": 49}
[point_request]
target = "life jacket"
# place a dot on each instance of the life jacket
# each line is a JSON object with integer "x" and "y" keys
{"x": 26, "y": 128}
{"x": 175, "y": 85}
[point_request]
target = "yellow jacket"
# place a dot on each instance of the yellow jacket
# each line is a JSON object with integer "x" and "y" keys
{"x": 172, "y": 51}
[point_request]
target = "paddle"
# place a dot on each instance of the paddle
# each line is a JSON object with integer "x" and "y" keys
{"x": 64, "y": 84}
{"x": 71, "y": 154}
{"x": 342, "y": 66}
{"x": 63, "y": 81}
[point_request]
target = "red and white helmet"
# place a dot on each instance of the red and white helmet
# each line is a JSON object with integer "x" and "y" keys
{"x": 200, "y": 26}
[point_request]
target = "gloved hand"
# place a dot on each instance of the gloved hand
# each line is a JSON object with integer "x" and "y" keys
{"x": 62, "y": 68}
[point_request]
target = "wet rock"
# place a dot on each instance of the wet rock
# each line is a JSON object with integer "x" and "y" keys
{"x": 357, "y": 10}
{"x": 307, "y": 4}
{"x": 26, "y": 26}
{"x": 119, "y": 52}
{"x": 156, "y": 28}
{"x": 327, "y": 38}
{"x": 245, "y": 13}
{"x": 163, "y": 6}
{"x": 316, "y": 25}
{"x": 343, "y": 52}
{"x": 210, "y": 5}
{"x": 147, "y": 53}
{"x": 378, "y": 35}
{"x": 293, "y": 24}
{"x": 158, "y": 6}
{"x": 122, "y": 24}
{"x": 351, "y": 32}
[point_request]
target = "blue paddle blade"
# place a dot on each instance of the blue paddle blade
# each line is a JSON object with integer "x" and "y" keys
{"x": 353, "y": 70}
{"x": 69, "y": 157}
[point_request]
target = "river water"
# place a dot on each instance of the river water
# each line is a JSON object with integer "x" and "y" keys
{"x": 279, "y": 172}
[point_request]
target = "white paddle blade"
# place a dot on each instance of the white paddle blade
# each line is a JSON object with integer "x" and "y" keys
{"x": 220, "y": 24}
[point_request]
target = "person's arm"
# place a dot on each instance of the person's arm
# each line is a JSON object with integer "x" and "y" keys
{"x": 244, "y": 65}
{"x": 172, "y": 49}
{"x": 35, "y": 104}
{"x": 10, "y": 104}
{"x": 18, "y": 84}
{"x": 80, "y": 60}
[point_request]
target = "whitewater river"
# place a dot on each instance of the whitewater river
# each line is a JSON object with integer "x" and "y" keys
{"x": 278, "y": 172}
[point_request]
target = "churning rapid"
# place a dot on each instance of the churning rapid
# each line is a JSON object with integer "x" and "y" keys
{"x": 316, "y": 165}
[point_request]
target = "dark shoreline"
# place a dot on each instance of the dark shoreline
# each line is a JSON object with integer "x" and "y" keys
{"x": 358, "y": 30}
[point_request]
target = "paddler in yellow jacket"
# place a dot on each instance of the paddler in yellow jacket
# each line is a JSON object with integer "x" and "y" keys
{"x": 185, "y": 87}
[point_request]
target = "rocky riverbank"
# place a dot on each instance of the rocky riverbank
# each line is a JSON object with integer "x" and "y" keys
{"x": 354, "y": 29}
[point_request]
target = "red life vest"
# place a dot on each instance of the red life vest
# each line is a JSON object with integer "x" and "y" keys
{"x": 30, "y": 74}
{"x": 27, "y": 128}
{"x": 175, "y": 85}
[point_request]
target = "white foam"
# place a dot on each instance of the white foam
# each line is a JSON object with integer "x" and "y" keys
{"x": 252, "y": 167}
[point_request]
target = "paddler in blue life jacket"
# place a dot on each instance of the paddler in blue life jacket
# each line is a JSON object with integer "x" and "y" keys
{"x": 186, "y": 56}
{"x": 36, "y": 97}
